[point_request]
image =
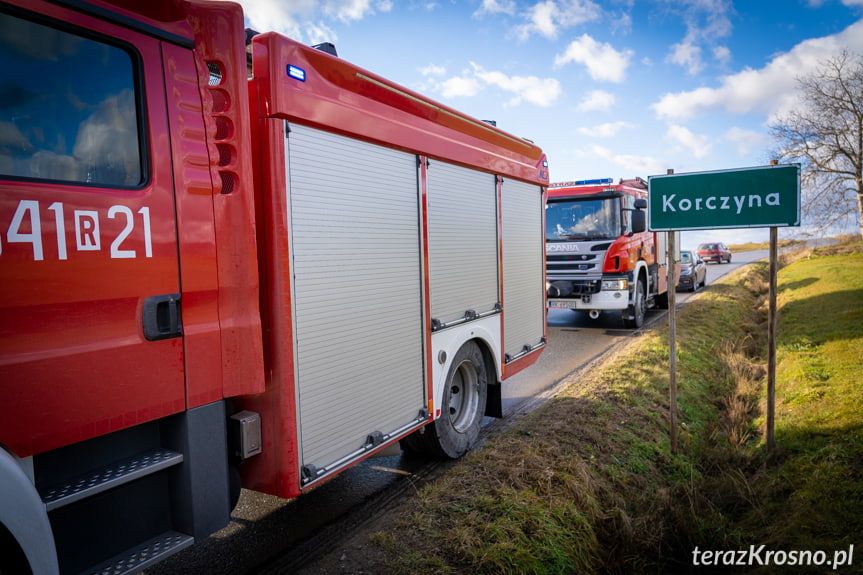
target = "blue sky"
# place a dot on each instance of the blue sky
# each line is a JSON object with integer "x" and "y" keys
{"x": 611, "y": 88}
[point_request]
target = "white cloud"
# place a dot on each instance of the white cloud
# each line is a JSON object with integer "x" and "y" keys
{"x": 715, "y": 12}
{"x": 607, "y": 130}
{"x": 548, "y": 17}
{"x": 314, "y": 33}
{"x": 300, "y": 19}
{"x": 706, "y": 22}
{"x": 622, "y": 23}
{"x": 432, "y": 70}
{"x": 687, "y": 55}
{"x": 682, "y": 137}
{"x": 630, "y": 164}
{"x": 460, "y": 86}
{"x": 597, "y": 101}
{"x": 541, "y": 92}
{"x": 602, "y": 61}
{"x": 745, "y": 141}
{"x": 541, "y": 21}
{"x": 350, "y": 10}
{"x": 266, "y": 15}
{"x": 770, "y": 91}
{"x": 722, "y": 55}
{"x": 496, "y": 7}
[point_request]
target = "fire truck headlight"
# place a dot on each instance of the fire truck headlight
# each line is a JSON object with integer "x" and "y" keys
{"x": 614, "y": 285}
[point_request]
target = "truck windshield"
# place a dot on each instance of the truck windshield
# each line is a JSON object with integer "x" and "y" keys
{"x": 593, "y": 219}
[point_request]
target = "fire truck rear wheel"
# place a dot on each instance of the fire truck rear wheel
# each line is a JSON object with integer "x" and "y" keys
{"x": 463, "y": 405}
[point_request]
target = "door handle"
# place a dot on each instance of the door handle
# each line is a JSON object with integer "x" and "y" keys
{"x": 161, "y": 318}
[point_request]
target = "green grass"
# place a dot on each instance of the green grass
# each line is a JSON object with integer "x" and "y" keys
{"x": 816, "y": 494}
{"x": 588, "y": 484}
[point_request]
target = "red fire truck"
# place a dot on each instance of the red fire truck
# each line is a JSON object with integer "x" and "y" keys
{"x": 211, "y": 281}
{"x": 599, "y": 256}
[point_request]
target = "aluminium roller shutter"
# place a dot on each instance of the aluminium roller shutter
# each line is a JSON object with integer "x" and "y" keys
{"x": 462, "y": 223}
{"x": 356, "y": 260}
{"x": 523, "y": 260}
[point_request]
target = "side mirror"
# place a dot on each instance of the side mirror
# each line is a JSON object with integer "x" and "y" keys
{"x": 640, "y": 204}
{"x": 639, "y": 220}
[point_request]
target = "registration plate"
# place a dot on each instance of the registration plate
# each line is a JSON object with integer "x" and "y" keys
{"x": 563, "y": 303}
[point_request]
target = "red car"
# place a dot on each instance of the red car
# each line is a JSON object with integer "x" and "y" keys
{"x": 715, "y": 252}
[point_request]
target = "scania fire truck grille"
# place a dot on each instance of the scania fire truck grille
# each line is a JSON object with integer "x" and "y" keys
{"x": 571, "y": 263}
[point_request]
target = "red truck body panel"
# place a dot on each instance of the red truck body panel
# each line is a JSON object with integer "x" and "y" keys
{"x": 80, "y": 312}
{"x": 69, "y": 316}
{"x": 220, "y": 42}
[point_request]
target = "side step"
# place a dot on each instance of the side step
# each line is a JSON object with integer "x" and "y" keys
{"x": 142, "y": 556}
{"x": 121, "y": 502}
{"x": 109, "y": 477}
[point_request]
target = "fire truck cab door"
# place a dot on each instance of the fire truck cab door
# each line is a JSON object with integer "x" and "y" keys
{"x": 90, "y": 312}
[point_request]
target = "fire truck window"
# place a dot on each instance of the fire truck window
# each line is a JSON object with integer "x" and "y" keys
{"x": 582, "y": 220}
{"x": 67, "y": 107}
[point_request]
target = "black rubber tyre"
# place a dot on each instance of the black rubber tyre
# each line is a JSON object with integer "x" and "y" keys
{"x": 638, "y": 308}
{"x": 456, "y": 430}
{"x": 12, "y": 558}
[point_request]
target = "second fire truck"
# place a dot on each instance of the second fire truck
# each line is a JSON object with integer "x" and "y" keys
{"x": 599, "y": 255}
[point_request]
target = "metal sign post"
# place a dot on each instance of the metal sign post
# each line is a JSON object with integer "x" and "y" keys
{"x": 671, "y": 248}
{"x": 672, "y": 336}
{"x": 771, "y": 341}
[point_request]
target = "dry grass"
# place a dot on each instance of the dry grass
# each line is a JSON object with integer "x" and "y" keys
{"x": 741, "y": 406}
{"x": 751, "y": 246}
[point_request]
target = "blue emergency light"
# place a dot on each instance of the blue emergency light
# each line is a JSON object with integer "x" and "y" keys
{"x": 596, "y": 182}
{"x": 296, "y": 73}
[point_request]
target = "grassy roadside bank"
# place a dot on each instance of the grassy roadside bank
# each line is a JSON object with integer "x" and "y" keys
{"x": 587, "y": 482}
{"x": 751, "y": 246}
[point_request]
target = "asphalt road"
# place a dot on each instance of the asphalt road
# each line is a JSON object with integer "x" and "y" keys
{"x": 574, "y": 339}
{"x": 268, "y": 534}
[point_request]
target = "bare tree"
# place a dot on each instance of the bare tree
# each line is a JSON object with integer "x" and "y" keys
{"x": 825, "y": 135}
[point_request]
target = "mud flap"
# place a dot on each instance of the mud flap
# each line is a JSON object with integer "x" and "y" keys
{"x": 494, "y": 402}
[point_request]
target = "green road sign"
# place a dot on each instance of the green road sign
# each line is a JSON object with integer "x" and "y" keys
{"x": 760, "y": 197}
